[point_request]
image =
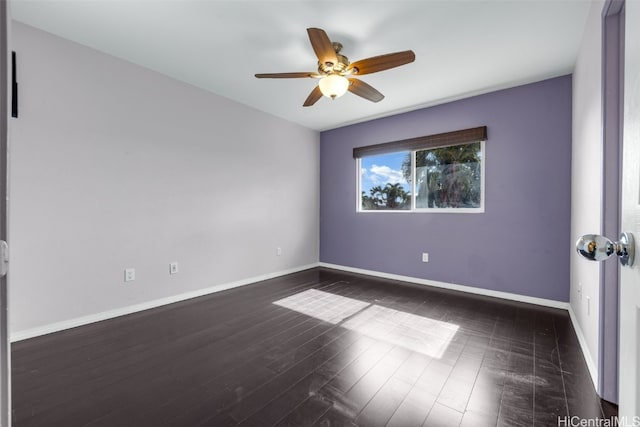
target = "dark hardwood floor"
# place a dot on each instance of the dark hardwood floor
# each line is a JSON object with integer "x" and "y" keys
{"x": 316, "y": 348}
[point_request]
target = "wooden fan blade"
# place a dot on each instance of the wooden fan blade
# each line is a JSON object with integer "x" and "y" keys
{"x": 322, "y": 46}
{"x": 381, "y": 63}
{"x": 364, "y": 90}
{"x": 313, "y": 97}
{"x": 285, "y": 75}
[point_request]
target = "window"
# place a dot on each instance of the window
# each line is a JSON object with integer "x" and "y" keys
{"x": 438, "y": 173}
{"x": 449, "y": 177}
{"x": 383, "y": 185}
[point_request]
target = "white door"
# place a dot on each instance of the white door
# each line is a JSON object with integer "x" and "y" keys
{"x": 629, "y": 396}
{"x": 5, "y": 85}
{"x": 5, "y": 372}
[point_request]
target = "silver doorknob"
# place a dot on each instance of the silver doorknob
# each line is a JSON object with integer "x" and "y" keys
{"x": 598, "y": 248}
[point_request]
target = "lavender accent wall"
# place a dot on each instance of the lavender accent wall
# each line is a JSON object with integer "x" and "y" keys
{"x": 520, "y": 244}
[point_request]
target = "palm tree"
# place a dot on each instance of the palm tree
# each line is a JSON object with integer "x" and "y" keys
{"x": 396, "y": 196}
{"x": 391, "y": 196}
{"x": 367, "y": 202}
{"x": 378, "y": 198}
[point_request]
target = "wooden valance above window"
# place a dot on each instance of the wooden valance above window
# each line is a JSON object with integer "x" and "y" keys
{"x": 446, "y": 139}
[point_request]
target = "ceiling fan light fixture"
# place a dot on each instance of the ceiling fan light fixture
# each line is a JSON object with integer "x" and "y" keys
{"x": 333, "y": 66}
{"x": 333, "y": 86}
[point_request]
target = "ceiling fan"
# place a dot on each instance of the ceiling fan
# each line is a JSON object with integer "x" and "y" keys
{"x": 336, "y": 73}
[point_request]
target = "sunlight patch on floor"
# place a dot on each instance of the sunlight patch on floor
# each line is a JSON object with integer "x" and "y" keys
{"x": 323, "y": 305}
{"x": 417, "y": 333}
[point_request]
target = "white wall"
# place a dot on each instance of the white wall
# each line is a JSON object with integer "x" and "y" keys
{"x": 116, "y": 166}
{"x": 586, "y": 187}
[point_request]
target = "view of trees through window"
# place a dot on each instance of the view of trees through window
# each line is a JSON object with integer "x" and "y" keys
{"x": 443, "y": 178}
{"x": 383, "y": 184}
{"x": 447, "y": 177}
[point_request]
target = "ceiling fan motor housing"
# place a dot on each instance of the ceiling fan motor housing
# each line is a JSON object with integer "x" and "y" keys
{"x": 339, "y": 68}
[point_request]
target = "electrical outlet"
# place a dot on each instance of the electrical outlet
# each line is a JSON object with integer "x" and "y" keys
{"x": 278, "y": 251}
{"x": 425, "y": 257}
{"x": 129, "y": 274}
{"x": 173, "y": 268}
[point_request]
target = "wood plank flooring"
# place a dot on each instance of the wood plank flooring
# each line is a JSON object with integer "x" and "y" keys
{"x": 316, "y": 348}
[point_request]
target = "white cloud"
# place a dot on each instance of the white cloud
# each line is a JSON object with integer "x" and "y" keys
{"x": 384, "y": 174}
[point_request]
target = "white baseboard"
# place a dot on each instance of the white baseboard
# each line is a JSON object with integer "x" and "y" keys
{"x": 593, "y": 371}
{"x": 462, "y": 288}
{"x": 85, "y": 320}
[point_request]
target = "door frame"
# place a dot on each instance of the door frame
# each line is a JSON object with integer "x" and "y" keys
{"x": 5, "y": 355}
{"x": 612, "y": 122}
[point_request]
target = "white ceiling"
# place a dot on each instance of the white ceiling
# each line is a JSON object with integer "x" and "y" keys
{"x": 462, "y": 47}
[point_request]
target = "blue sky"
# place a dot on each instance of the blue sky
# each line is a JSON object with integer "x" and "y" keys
{"x": 382, "y": 169}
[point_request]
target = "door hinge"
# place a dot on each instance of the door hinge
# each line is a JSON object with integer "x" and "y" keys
{"x": 4, "y": 258}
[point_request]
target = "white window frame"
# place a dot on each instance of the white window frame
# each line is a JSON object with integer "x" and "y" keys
{"x": 413, "y": 208}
